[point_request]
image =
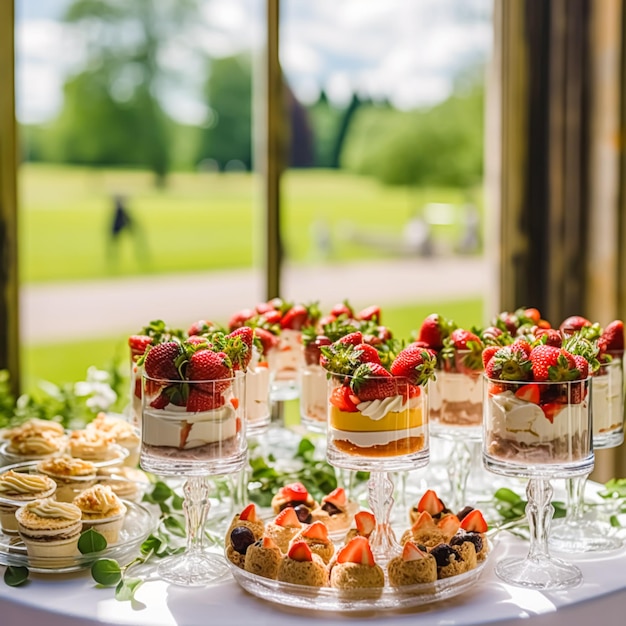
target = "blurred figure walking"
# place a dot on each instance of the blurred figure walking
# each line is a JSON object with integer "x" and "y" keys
{"x": 122, "y": 221}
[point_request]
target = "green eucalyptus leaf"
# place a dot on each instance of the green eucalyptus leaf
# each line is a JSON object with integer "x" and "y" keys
{"x": 177, "y": 502}
{"x": 151, "y": 544}
{"x": 161, "y": 492}
{"x": 126, "y": 588}
{"x": 14, "y": 576}
{"x": 91, "y": 541}
{"x": 106, "y": 572}
{"x": 507, "y": 495}
{"x": 175, "y": 526}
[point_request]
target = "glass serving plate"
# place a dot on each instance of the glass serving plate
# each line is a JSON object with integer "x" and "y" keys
{"x": 139, "y": 522}
{"x": 357, "y": 600}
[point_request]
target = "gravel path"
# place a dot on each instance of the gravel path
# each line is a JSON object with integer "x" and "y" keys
{"x": 60, "y": 311}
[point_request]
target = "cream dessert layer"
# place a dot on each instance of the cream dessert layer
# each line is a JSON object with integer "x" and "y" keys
{"x": 434, "y": 397}
{"x": 606, "y": 401}
{"x": 380, "y": 438}
{"x": 48, "y": 519}
{"x": 33, "y": 445}
{"x": 99, "y": 502}
{"x": 175, "y": 427}
{"x": 521, "y": 430}
{"x": 92, "y": 445}
{"x": 287, "y": 356}
{"x": 21, "y": 486}
{"x": 257, "y": 390}
{"x": 313, "y": 393}
{"x": 461, "y": 399}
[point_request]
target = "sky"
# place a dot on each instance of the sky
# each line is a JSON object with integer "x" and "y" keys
{"x": 406, "y": 51}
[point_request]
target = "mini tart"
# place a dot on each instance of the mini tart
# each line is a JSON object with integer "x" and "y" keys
{"x": 126, "y": 482}
{"x": 336, "y": 511}
{"x": 31, "y": 445}
{"x": 101, "y": 510}
{"x": 92, "y": 445}
{"x": 254, "y": 523}
{"x": 479, "y": 540}
{"x": 122, "y": 432}
{"x": 412, "y": 567}
{"x": 313, "y": 573}
{"x": 454, "y": 560}
{"x": 426, "y": 532}
{"x": 355, "y": 570}
{"x": 283, "y": 529}
{"x": 293, "y": 495}
{"x": 263, "y": 558}
{"x": 318, "y": 541}
{"x": 70, "y": 475}
{"x": 19, "y": 488}
{"x": 35, "y": 426}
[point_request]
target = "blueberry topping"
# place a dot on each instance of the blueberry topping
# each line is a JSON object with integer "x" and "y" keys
{"x": 443, "y": 553}
{"x": 240, "y": 538}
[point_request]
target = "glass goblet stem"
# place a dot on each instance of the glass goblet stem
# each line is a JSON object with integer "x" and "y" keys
{"x": 575, "y": 498}
{"x": 196, "y": 506}
{"x": 380, "y": 492}
{"x": 539, "y": 511}
{"x": 458, "y": 468}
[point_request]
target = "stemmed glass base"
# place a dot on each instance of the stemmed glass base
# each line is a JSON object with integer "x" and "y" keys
{"x": 195, "y": 567}
{"x": 539, "y": 570}
{"x": 380, "y": 499}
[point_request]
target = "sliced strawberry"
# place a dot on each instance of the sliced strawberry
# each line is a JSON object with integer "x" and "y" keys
{"x": 370, "y": 313}
{"x": 357, "y": 550}
{"x": 337, "y": 497}
{"x": 269, "y": 543}
{"x": 200, "y": 400}
{"x": 294, "y": 492}
{"x": 341, "y": 397}
{"x": 550, "y": 409}
{"x": 449, "y": 524}
{"x": 249, "y": 514}
{"x": 300, "y": 551}
{"x": 411, "y": 552}
{"x": 316, "y": 530}
{"x": 529, "y": 393}
{"x": 365, "y": 523}
{"x": 430, "y": 502}
{"x": 288, "y": 518}
{"x": 424, "y": 520}
{"x": 161, "y": 401}
{"x": 474, "y": 522}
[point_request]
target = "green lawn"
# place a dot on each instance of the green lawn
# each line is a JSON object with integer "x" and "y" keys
{"x": 201, "y": 221}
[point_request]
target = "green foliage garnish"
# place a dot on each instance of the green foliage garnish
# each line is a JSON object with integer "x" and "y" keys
{"x": 91, "y": 541}
{"x": 15, "y": 576}
{"x": 106, "y": 572}
{"x": 126, "y": 588}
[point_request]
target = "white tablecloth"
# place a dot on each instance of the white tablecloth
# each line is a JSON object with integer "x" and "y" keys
{"x": 71, "y": 600}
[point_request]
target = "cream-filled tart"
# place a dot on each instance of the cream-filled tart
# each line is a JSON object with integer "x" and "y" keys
{"x": 336, "y": 511}
{"x": 122, "y": 432}
{"x": 71, "y": 475}
{"x": 17, "y": 488}
{"x": 101, "y": 510}
{"x": 355, "y": 569}
{"x": 300, "y": 566}
{"x": 412, "y": 567}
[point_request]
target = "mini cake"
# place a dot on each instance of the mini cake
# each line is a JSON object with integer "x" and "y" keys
{"x": 365, "y": 526}
{"x": 454, "y": 560}
{"x": 284, "y": 528}
{"x": 316, "y": 537}
{"x": 71, "y": 475}
{"x": 412, "y": 567}
{"x": 296, "y": 496}
{"x": 428, "y": 532}
{"x": 35, "y": 439}
{"x": 473, "y": 529}
{"x": 250, "y": 519}
{"x": 128, "y": 483}
{"x": 239, "y": 540}
{"x": 50, "y": 531}
{"x": 101, "y": 510}
{"x": 301, "y": 567}
{"x": 19, "y": 488}
{"x": 93, "y": 445}
{"x": 355, "y": 569}
{"x": 335, "y": 510}
{"x": 122, "y": 433}
{"x": 263, "y": 558}
{"x": 430, "y": 502}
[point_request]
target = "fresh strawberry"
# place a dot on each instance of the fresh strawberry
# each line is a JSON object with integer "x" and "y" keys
{"x": 449, "y": 524}
{"x": 200, "y": 327}
{"x": 199, "y": 400}
{"x": 410, "y": 552}
{"x": 460, "y": 338}
{"x": 369, "y": 354}
{"x": 213, "y": 368}
{"x": 342, "y": 398}
{"x": 549, "y": 336}
{"x": 263, "y": 307}
{"x": 529, "y": 393}
{"x": 424, "y": 520}
{"x": 532, "y": 314}
{"x": 161, "y": 401}
{"x": 240, "y": 318}
{"x": 288, "y": 518}
{"x": 316, "y": 530}
{"x": 433, "y": 331}
{"x": 295, "y": 318}
{"x": 294, "y": 492}
{"x": 272, "y": 317}
{"x": 239, "y": 347}
{"x": 196, "y": 340}
{"x": 551, "y": 363}
{"x": 550, "y": 409}
{"x": 268, "y": 340}
{"x": 508, "y": 364}
{"x": 573, "y": 323}
{"x": 521, "y": 344}
{"x": 249, "y": 514}
{"x": 312, "y": 351}
{"x": 365, "y": 523}
{"x": 370, "y": 313}
{"x": 269, "y": 543}
{"x": 300, "y": 551}
{"x": 582, "y": 365}
{"x": 491, "y": 335}
{"x": 430, "y": 502}
{"x": 342, "y": 309}
{"x": 612, "y": 338}
{"x": 415, "y": 364}
{"x": 488, "y": 352}
{"x": 373, "y": 382}
{"x": 355, "y": 338}
{"x": 337, "y": 497}
{"x": 160, "y": 362}
{"x": 138, "y": 345}
{"x": 357, "y": 550}
{"x": 474, "y": 522}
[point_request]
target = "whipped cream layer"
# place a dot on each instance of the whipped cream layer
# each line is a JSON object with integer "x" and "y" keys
{"x": 525, "y": 422}
{"x": 257, "y": 393}
{"x": 286, "y": 357}
{"x": 175, "y": 427}
{"x": 99, "y": 501}
{"x": 313, "y": 392}
{"x": 606, "y": 401}
{"x": 365, "y": 439}
{"x": 20, "y": 484}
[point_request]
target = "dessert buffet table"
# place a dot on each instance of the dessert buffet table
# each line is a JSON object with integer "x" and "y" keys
{"x": 72, "y": 600}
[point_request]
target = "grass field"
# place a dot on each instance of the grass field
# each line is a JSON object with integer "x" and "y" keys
{"x": 201, "y": 221}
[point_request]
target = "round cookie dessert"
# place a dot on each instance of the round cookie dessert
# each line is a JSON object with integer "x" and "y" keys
{"x": 365, "y": 525}
{"x": 95, "y": 446}
{"x": 17, "y": 488}
{"x": 50, "y": 531}
{"x": 355, "y": 570}
{"x": 412, "y": 567}
{"x": 284, "y": 528}
{"x": 301, "y": 567}
{"x": 336, "y": 511}
{"x": 101, "y": 510}
{"x": 70, "y": 475}
{"x": 239, "y": 539}
{"x": 263, "y": 558}
{"x": 296, "y": 496}
{"x": 454, "y": 560}
{"x": 122, "y": 432}
{"x": 316, "y": 537}
{"x": 250, "y": 519}
{"x": 425, "y": 531}
{"x": 33, "y": 440}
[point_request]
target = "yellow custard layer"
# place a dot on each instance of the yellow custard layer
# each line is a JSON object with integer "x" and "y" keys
{"x": 357, "y": 422}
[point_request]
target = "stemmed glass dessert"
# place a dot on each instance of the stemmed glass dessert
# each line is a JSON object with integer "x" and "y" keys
{"x": 378, "y": 422}
{"x": 538, "y": 429}
{"x": 192, "y": 425}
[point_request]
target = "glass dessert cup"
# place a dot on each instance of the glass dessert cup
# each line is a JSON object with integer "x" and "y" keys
{"x": 382, "y": 437}
{"x": 457, "y": 417}
{"x": 285, "y": 361}
{"x": 313, "y": 400}
{"x": 258, "y": 413}
{"x": 551, "y": 439}
{"x": 178, "y": 441}
{"x": 577, "y": 533}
